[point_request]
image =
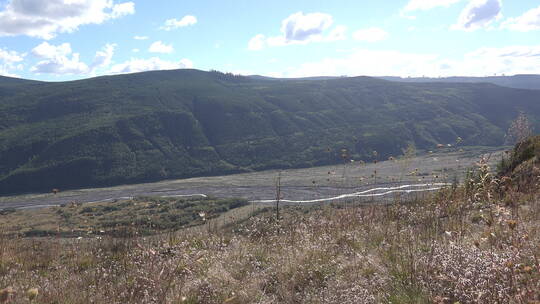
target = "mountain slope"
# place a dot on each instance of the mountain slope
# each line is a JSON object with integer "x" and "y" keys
{"x": 170, "y": 124}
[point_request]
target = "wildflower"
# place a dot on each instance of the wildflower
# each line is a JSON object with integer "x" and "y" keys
{"x": 512, "y": 224}
{"x": 32, "y": 293}
{"x": 527, "y": 269}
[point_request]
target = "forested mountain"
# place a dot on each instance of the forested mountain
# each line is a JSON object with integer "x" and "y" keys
{"x": 170, "y": 124}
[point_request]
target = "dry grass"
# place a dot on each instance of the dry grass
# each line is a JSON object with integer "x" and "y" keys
{"x": 141, "y": 216}
{"x": 473, "y": 244}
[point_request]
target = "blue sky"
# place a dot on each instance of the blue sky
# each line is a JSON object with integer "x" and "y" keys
{"x": 57, "y": 40}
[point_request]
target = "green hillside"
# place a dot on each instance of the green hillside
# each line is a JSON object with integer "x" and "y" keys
{"x": 169, "y": 124}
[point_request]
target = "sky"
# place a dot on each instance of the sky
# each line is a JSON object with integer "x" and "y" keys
{"x": 58, "y": 40}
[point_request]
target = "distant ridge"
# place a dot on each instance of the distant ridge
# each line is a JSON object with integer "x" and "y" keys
{"x": 10, "y": 81}
{"x": 259, "y": 77}
{"x": 157, "y": 125}
{"x": 517, "y": 81}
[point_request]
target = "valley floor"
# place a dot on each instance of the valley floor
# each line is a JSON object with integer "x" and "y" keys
{"x": 297, "y": 184}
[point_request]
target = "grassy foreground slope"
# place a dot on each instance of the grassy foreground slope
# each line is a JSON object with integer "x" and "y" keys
{"x": 170, "y": 124}
{"x": 476, "y": 243}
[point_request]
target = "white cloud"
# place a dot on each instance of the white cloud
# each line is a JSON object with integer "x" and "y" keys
{"x": 10, "y": 56}
{"x": 61, "y": 60}
{"x": 372, "y": 34}
{"x": 257, "y": 43}
{"x": 529, "y": 21}
{"x": 58, "y": 60}
{"x": 103, "y": 58}
{"x": 160, "y": 47}
{"x": 482, "y": 62}
{"x": 172, "y": 24}
{"x": 140, "y": 65}
{"x": 424, "y": 5}
{"x": 123, "y": 9}
{"x": 48, "y": 51}
{"x": 479, "y": 14}
{"x": 300, "y": 28}
{"x": 9, "y": 61}
{"x": 140, "y": 37}
{"x": 135, "y": 50}
{"x": 45, "y": 19}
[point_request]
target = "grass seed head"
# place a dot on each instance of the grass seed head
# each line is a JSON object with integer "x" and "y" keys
{"x": 32, "y": 293}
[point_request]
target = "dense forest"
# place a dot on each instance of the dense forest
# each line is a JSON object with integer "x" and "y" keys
{"x": 181, "y": 123}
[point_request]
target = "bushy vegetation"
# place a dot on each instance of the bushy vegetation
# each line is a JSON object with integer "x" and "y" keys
{"x": 475, "y": 243}
{"x": 171, "y": 124}
{"x": 140, "y": 216}
{"x": 523, "y": 163}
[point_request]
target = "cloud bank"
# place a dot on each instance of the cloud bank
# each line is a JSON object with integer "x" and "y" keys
{"x": 61, "y": 60}
{"x": 140, "y": 65}
{"x": 481, "y": 62}
{"x": 45, "y": 19}
{"x": 529, "y": 21}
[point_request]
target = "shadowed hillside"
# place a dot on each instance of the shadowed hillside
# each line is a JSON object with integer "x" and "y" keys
{"x": 169, "y": 124}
